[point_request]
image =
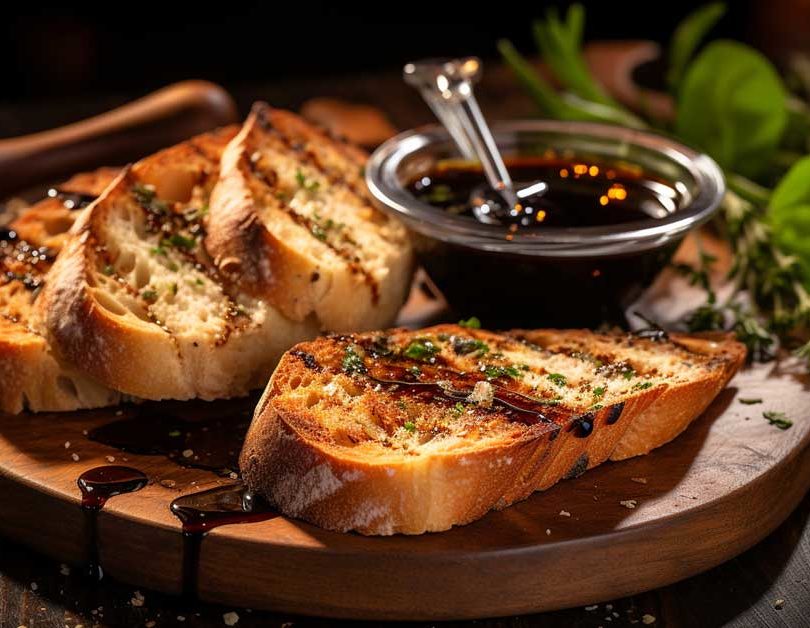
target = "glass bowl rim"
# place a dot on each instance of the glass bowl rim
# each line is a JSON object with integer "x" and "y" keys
{"x": 630, "y": 237}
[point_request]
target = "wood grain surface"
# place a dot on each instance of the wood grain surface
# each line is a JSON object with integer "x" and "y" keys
{"x": 768, "y": 585}
{"x": 712, "y": 493}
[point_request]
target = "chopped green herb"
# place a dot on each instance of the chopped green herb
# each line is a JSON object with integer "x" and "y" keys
{"x": 180, "y": 241}
{"x": 470, "y": 323}
{"x": 415, "y": 371}
{"x": 172, "y": 267}
{"x": 439, "y": 193}
{"x": 158, "y": 250}
{"x": 778, "y": 419}
{"x": 196, "y": 214}
{"x": 599, "y": 392}
{"x": 628, "y": 373}
{"x": 458, "y": 409}
{"x": 174, "y": 433}
{"x": 319, "y": 232}
{"x": 558, "y": 379}
{"x": 641, "y": 385}
{"x": 402, "y": 405}
{"x": 749, "y": 402}
{"x": 150, "y": 296}
{"x": 304, "y": 184}
{"x": 173, "y": 288}
{"x": 596, "y": 406}
{"x": 108, "y": 270}
{"x": 146, "y": 197}
{"x": 421, "y": 349}
{"x": 494, "y": 372}
{"x": 352, "y": 361}
{"x": 410, "y": 426}
{"x": 463, "y": 346}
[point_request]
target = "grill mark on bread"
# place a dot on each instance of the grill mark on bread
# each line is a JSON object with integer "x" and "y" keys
{"x": 309, "y": 225}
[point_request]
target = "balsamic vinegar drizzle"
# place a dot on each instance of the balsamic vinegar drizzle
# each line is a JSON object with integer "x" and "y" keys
{"x": 97, "y": 485}
{"x": 201, "y": 435}
{"x": 203, "y": 511}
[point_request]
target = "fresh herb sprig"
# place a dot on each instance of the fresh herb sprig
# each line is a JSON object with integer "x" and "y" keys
{"x": 722, "y": 91}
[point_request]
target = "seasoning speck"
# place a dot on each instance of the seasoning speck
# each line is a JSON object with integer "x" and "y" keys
{"x": 110, "y": 458}
{"x": 75, "y": 457}
{"x": 230, "y": 619}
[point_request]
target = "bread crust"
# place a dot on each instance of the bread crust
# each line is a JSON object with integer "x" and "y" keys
{"x": 32, "y": 378}
{"x": 270, "y": 234}
{"x": 119, "y": 339}
{"x": 295, "y": 455}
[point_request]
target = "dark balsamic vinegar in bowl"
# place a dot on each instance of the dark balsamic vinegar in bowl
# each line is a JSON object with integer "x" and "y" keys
{"x": 616, "y": 205}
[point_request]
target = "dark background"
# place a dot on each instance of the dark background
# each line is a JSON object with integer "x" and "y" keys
{"x": 53, "y": 51}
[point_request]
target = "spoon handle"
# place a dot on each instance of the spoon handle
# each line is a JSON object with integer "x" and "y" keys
{"x": 447, "y": 87}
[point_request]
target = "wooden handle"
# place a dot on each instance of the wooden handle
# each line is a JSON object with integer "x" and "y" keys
{"x": 164, "y": 117}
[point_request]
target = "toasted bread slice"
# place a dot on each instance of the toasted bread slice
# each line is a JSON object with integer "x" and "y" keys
{"x": 31, "y": 376}
{"x": 292, "y": 223}
{"x": 675, "y": 357}
{"x": 47, "y": 222}
{"x": 410, "y": 432}
{"x": 135, "y": 302}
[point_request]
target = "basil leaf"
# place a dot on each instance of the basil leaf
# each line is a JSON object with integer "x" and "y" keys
{"x": 732, "y": 104}
{"x": 687, "y": 36}
{"x": 789, "y": 212}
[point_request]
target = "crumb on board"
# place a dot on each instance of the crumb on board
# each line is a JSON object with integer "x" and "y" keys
{"x": 779, "y": 604}
{"x": 639, "y": 480}
{"x": 230, "y": 619}
{"x": 647, "y": 619}
{"x": 629, "y": 503}
{"x": 75, "y": 457}
{"x": 565, "y": 513}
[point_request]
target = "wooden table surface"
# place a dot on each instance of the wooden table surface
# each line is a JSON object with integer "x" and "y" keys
{"x": 769, "y": 585}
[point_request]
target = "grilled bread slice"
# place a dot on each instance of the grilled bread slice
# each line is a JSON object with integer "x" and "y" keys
{"x": 292, "y": 223}
{"x": 135, "y": 302}
{"x": 31, "y": 376}
{"x": 410, "y": 432}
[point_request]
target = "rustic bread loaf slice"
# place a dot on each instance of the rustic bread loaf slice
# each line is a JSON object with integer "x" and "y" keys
{"x": 696, "y": 367}
{"x": 410, "y": 432}
{"x": 32, "y": 378}
{"x": 135, "y": 302}
{"x": 292, "y": 223}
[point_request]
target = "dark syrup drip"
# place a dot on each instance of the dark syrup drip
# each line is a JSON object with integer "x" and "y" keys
{"x": 212, "y": 442}
{"x": 97, "y": 485}
{"x": 205, "y": 510}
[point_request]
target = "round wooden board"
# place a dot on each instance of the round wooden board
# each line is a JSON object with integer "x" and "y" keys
{"x": 720, "y": 487}
{"x": 717, "y": 489}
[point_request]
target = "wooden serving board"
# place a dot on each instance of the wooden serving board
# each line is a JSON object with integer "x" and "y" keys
{"x": 716, "y": 490}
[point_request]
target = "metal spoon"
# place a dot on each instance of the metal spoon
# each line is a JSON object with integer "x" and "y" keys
{"x": 447, "y": 87}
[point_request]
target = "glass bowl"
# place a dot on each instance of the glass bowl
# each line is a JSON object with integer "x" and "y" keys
{"x": 566, "y": 276}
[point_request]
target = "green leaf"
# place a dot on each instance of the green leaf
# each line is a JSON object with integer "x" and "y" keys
{"x": 732, "y": 104}
{"x": 687, "y": 37}
{"x": 789, "y": 212}
{"x": 353, "y": 361}
{"x": 471, "y": 323}
{"x": 421, "y": 349}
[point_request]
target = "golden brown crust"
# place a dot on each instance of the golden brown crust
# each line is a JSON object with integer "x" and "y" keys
{"x": 336, "y": 449}
{"x": 135, "y": 301}
{"x": 32, "y": 377}
{"x": 292, "y": 223}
